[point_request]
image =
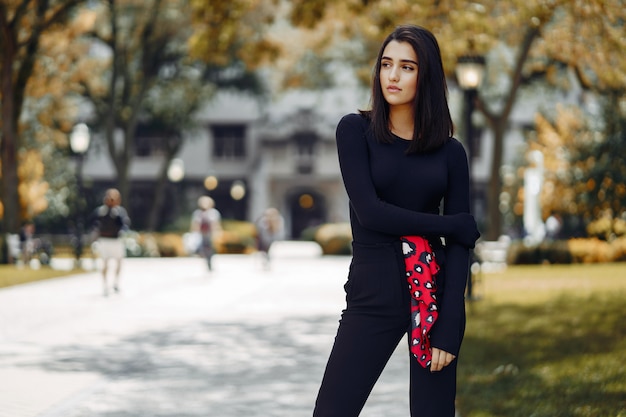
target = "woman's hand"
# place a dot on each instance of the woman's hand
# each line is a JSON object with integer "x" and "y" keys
{"x": 440, "y": 359}
{"x": 465, "y": 230}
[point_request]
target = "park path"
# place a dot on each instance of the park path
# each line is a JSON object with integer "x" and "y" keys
{"x": 179, "y": 342}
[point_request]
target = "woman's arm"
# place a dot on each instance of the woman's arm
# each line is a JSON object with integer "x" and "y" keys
{"x": 376, "y": 214}
{"x": 447, "y": 332}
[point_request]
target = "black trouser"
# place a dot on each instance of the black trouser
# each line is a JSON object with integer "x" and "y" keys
{"x": 377, "y": 316}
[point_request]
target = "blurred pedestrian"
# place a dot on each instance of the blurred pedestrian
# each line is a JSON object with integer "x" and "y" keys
{"x": 553, "y": 226}
{"x": 28, "y": 243}
{"x": 206, "y": 221}
{"x": 109, "y": 221}
{"x": 399, "y": 162}
{"x": 270, "y": 228}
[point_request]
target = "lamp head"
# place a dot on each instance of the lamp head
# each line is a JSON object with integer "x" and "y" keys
{"x": 80, "y": 138}
{"x": 470, "y": 70}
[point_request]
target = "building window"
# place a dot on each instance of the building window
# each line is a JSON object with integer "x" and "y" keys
{"x": 229, "y": 142}
{"x": 152, "y": 141}
{"x": 305, "y": 142}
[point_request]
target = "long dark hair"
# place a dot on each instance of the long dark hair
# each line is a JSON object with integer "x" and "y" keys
{"x": 433, "y": 123}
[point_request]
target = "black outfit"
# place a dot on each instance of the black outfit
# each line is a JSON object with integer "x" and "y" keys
{"x": 394, "y": 194}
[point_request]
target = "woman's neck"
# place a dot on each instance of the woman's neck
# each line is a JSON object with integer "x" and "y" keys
{"x": 402, "y": 122}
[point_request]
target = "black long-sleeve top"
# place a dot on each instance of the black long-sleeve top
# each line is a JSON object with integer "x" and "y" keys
{"x": 394, "y": 194}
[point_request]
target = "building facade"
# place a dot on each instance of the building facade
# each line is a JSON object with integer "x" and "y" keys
{"x": 248, "y": 156}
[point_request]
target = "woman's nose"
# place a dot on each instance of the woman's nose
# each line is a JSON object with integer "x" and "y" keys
{"x": 393, "y": 74}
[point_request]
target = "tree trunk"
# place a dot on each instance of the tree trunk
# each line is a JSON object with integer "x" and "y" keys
{"x": 9, "y": 143}
{"x": 174, "y": 144}
{"x": 494, "y": 219}
{"x": 498, "y": 123}
{"x": 159, "y": 197}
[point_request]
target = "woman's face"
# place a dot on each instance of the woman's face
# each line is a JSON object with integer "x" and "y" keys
{"x": 398, "y": 74}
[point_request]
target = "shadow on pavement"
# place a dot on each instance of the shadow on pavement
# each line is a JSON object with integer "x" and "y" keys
{"x": 204, "y": 369}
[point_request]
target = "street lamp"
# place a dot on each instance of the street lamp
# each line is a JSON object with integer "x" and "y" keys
{"x": 176, "y": 170}
{"x": 470, "y": 70}
{"x": 79, "y": 142}
{"x": 176, "y": 174}
{"x": 238, "y": 190}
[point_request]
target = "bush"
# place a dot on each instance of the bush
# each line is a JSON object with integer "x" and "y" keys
{"x": 151, "y": 245}
{"x": 590, "y": 250}
{"x": 237, "y": 237}
{"x": 554, "y": 252}
{"x": 334, "y": 238}
{"x": 579, "y": 250}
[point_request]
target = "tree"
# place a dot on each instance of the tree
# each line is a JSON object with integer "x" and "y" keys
{"x": 135, "y": 41}
{"x": 584, "y": 168}
{"x": 32, "y": 189}
{"x": 170, "y": 110}
{"x": 561, "y": 136}
{"x": 226, "y": 32}
{"x": 151, "y": 81}
{"x": 22, "y": 26}
{"x": 601, "y": 162}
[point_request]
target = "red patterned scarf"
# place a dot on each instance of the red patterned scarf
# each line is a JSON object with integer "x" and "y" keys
{"x": 421, "y": 268}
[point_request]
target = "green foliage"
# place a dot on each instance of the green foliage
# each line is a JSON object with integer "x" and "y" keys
{"x": 602, "y": 163}
{"x": 584, "y": 170}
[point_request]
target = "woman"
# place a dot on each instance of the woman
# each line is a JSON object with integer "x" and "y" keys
{"x": 399, "y": 162}
{"x": 270, "y": 228}
{"x": 110, "y": 220}
{"x": 206, "y": 221}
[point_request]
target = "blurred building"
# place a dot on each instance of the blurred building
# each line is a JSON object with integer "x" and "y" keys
{"x": 248, "y": 155}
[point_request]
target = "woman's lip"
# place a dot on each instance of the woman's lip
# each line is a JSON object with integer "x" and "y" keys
{"x": 393, "y": 88}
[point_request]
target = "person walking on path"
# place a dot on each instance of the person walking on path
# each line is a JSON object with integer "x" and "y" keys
{"x": 110, "y": 220}
{"x": 206, "y": 221}
{"x": 410, "y": 263}
{"x": 270, "y": 228}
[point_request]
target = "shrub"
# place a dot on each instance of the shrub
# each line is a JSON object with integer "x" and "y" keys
{"x": 579, "y": 250}
{"x": 165, "y": 245}
{"x": 554, "y": 252}
{"x": 237, "y": 237}
{"x": 334, "y": 238}
{"x": 607, "y": 228}
{"x": 590, "y": 250}
{"x": 619, "y": 249}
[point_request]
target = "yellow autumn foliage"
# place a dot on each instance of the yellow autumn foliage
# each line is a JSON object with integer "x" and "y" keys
{"x": 32, "y": 188}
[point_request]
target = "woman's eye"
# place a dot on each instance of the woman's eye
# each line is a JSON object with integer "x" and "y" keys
{"x": 407, "y": 68}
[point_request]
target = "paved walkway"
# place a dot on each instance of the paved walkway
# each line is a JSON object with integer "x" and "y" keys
{"x": 179, "y": 342}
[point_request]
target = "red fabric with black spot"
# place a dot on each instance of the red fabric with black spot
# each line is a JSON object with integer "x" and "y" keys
{"x": 421, "y": 269}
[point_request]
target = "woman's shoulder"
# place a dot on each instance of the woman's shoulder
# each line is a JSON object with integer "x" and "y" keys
{"x": 454, "y": 146}
{"x": 355, "y": 119}
{"x": 351, "y": 127}
{"x": 455, "y": 152}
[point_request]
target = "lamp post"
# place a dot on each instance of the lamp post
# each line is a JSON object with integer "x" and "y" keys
{"x": 79, "y": 142}
{"x": 176, "y": 174}
{"x": 470, "y": 70}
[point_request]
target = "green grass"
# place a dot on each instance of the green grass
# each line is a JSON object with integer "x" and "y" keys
{"x": 546, "y": 341}
{"x": 14, "y": 275}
